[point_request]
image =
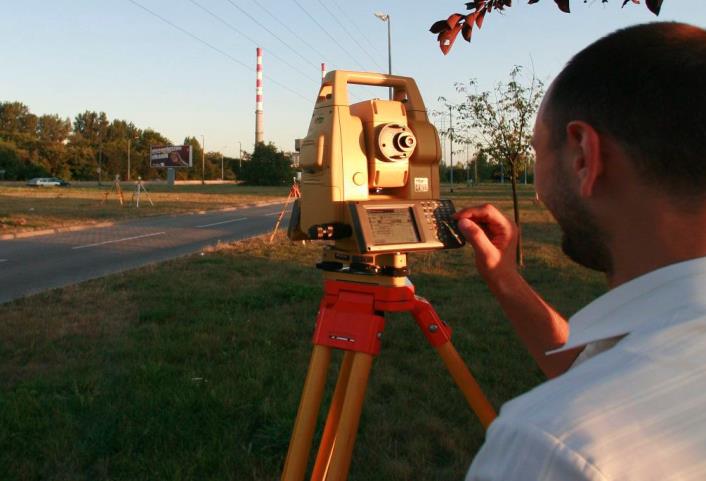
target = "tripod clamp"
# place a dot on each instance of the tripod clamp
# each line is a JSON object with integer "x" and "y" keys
{"x": 351, "y": 317}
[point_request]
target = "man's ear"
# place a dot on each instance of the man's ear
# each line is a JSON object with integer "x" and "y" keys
{"x": 584, "y": 145}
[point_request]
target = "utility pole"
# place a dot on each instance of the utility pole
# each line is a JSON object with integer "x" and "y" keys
{"x": 240, "y": 155}
{"x": 203, "y": 160}
{"x": 451, "y": 147}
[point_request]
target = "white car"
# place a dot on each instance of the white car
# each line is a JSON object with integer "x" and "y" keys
{"x": 47, "y": 182}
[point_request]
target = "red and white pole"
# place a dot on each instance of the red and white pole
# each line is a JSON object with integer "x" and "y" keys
{"x": 323, "y": 71}
{"x": 259, "y": 127}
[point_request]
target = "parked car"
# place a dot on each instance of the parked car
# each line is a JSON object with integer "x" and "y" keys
{"x": 47, "y": 182}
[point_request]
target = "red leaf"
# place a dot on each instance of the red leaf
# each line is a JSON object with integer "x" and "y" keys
{"x": 563, "y": 5}
{"x": 447, "y": 39}
{"x": 467, "y": 30}
{"x": 453, "y": 19}
{"x": 479, "y": 19}
{"x": 654, "y": 5}
{"x": 439, "y": 26}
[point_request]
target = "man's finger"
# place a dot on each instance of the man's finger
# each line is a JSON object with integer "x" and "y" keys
{"x": 487, "y": 215}
{"x": 476, "y": 236}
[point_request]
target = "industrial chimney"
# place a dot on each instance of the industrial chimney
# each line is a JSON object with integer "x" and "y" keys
{"x": 259, "y": 127}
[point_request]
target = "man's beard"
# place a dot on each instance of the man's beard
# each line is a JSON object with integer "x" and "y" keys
{"x": 582, "y": 240}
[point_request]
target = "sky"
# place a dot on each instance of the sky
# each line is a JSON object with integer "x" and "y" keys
{"x": 187, "y": 67}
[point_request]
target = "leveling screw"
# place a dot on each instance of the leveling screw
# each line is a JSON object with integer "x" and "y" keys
{"x": 433, "y": 328}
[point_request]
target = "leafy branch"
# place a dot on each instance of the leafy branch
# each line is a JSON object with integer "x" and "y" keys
{"x": 447, "y": 30}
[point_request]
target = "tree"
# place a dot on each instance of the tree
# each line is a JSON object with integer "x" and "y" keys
{"x": 267, "y": 166}
{"x": 502, "y": 122}
{"x": 447, "y": 30}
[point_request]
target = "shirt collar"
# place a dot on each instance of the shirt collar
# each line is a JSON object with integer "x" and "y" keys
{"x": 639, "y": 302}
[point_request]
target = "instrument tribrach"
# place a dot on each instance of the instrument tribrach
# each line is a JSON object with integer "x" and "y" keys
{"x": 370, "y": 184}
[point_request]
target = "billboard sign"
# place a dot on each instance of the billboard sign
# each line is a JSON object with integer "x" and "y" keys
{"x": 171, "y": 156}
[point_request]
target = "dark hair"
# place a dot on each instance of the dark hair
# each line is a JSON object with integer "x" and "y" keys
{"x": 644, "y": 86}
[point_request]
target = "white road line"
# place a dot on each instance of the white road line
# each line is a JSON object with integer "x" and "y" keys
{"x": 119, "y": 240}
{"x": 222, "y": 222}
{"x": 272, "y": 213}
{"x": 3, "y": 260}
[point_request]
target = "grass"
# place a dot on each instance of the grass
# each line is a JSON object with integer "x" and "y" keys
{"x": 192, "y": 369}
{"x": 25, "y": 209}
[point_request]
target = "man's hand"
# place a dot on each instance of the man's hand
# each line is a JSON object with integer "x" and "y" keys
{"x": 493, "y": 238}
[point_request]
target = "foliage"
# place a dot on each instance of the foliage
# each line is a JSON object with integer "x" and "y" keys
{"x": 32, "y": 146}
{"x": 267, "y": 166}
{"x": 447, "y": 30}
{"x": 502, "y": 123}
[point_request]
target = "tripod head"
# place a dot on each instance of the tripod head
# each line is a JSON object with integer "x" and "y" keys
{"x": 370, "y": 179}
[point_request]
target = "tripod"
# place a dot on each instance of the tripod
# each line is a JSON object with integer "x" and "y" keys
{"x": 351, "y": 318}
{"x": 140, "y": 186}
{"x": 293, "y": 194}
{"x": 117, "y": 189}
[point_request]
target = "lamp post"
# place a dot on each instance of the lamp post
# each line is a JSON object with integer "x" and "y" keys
{"x": 240, "y": 155}
{"x": 203, "y": 160}
{"x": 222, "y": 176}
{"x": 129, "y": 142}
{"x": 451, "y": 146}
{"x": 385, "y": 17}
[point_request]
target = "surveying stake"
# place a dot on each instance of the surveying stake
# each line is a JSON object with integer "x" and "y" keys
{"x": 117, "y": 189}
{"x": 293, "y": 194}
{"x": 139, "y": 187}
{"x": 371, "y": 185}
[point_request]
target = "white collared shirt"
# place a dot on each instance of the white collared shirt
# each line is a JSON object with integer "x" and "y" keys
{"x": 635, "y": 410}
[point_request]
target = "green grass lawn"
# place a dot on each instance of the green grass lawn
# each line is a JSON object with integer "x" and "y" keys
{"x": 25, "y": 209}
{"x": 192, "y": 369}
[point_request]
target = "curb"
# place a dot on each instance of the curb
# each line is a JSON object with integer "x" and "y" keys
{"x": 74, "y": 228}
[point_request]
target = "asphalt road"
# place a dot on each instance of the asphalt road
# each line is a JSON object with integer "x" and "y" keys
{"x": 35, "y": 264}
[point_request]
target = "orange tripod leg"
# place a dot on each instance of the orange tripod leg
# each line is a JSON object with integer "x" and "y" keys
{"x": 439, "y": 336}
{"x": 467, "y": 383}
{"x": 305, "y": 423}
{"x": 334, "y": 415}
{"x": 347, "y": 429}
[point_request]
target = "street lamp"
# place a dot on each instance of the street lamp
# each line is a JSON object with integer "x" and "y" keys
{"x": 385, "y": 17}
{"x": 129, "y": 141}
{"x": 224, "y": 148}
{"x": 240, "y": 155}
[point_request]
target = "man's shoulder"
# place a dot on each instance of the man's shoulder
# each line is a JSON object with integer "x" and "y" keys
{"x": 625, "y": 404}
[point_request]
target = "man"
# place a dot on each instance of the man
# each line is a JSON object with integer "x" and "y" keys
{"x": 620, "y": 141}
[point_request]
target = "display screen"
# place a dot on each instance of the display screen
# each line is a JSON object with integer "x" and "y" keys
{"x": 393, "y": 226}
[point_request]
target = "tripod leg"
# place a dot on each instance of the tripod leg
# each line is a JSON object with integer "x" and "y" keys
{"x": 439, "y": 336}
{"x": 305, "y": 423}
{"x": 328, "y": 438}
{"x": 347, "y": 429}
{"x": 466, "y": 383}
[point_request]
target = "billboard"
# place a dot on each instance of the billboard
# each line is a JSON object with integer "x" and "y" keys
{"x": 170, "y": 156}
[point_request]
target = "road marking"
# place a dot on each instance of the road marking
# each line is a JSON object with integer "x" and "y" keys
{"x": 272, "y": 213}
{"x": 118, "y": 240}
{"x": 222, "y": 222}
{"x": 3, "y": 260}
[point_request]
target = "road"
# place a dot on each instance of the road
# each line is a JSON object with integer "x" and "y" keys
{"x": 35, "y": 264}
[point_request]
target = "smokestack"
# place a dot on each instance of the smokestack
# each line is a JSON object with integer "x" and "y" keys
{"x": 323, "y": 71}
{"x": 259, "y": 127}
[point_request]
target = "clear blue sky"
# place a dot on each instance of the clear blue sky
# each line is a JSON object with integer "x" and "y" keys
{"x": 67, "y": 56}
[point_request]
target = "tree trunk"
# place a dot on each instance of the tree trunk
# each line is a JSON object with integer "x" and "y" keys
{"x": 516, "y": 208}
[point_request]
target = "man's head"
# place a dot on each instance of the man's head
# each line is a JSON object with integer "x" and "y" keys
{"x": 642, "y": 90}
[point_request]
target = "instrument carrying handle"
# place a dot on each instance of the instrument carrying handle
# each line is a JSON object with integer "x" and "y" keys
{"x": 334, "y": 88}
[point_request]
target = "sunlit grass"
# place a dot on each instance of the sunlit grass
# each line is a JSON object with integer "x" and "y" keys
{"x": 192, "y": 369}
